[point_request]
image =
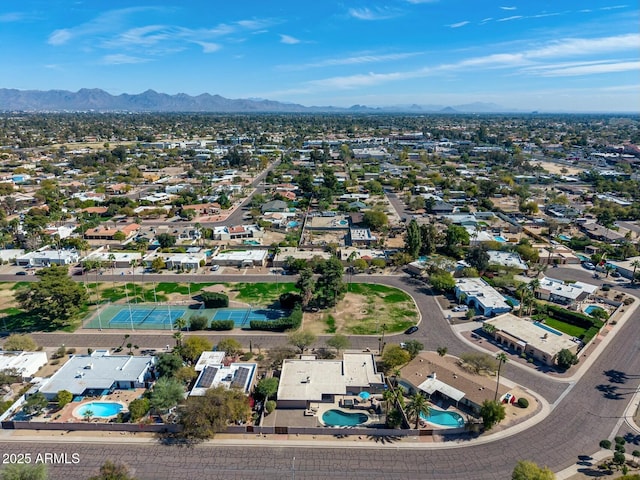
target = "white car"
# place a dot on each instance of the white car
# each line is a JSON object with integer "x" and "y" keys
{"x": 461, "y": 308}
{"x": 215, "y": 268}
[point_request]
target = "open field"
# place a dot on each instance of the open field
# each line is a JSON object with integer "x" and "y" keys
{"x": 365, "y": 310}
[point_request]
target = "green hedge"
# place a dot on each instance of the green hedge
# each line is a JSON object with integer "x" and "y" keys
{"x": 574, "y": 318}
{"x": 214, "y": 300}
{"x": 222, "y": 325}
{"x": 292, "y": 322}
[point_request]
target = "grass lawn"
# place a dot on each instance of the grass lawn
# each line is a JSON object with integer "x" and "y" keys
{"x": 364, "y": 310}
{"x": 563, "y": 327}
{"x": 263, "y": 294}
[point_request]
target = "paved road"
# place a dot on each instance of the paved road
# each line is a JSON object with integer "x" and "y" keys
{"x": 588, "y": 413}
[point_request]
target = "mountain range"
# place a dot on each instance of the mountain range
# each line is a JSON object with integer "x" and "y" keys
{"x": 98, "y": 100}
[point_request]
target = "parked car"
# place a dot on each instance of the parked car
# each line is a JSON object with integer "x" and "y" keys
{"x": 615, "y": 274}
{"x": 411, "y": 330}
{"x": 460, "y": 308}
{"x": 588, "y": 265}
{"x": 215, "y": 268}
{"x": 21, "y": 272}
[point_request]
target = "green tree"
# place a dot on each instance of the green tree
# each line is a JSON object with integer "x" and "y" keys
{"x": 35, "y": 404}
{"x": 413, "y": 239}
{"x": 443, "y": 281}
{"x": 202, "y": 417}
{"x": 166, "y": 240}
{"x": 442, "y": 351}
{"x": 413, "y": 347}
{"x": 230, "y": 346}
{"x": 478, "y": 258}
{"x": 193, "y": 347}
{"x": 56, "y": 297}
{"x": 185, "y": 375}
{"x": 113, "y": 471}
{"x": 339, "y": 342}
{"x": 502, "y": 358}
{"x": 526, "y": 470}
{"x": 138, "y": 408}
{"x": 329, "y": 286}
{"x": 18, "y": 342}
{"x": 566, "y": 359}
{"x": 394, "y": 356}
{"x": 301, "y": 339}
{"x": 168, "y": 364}
{"x": 267, "y": 388}
{"x": 63, "y": 397}
{"x": 428, "y": 239}
{"x": 24, "y": 471}
{"x": 166, "y": 393}
{"x": 455, "y": 237}
{"x": 88, "y": 414}
{"x": 158, "y": 264}
{"x": 375, "y": 219}
{"x": 306, "y": 284}
{"x": 492, "y": 413}
{"x": 418, "y": 406}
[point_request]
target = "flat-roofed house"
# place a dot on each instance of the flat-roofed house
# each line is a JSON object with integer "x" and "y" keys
{"x": 26, "y": 364}
{"x": 99, "y": 373}
{"x": 307, "y": 379}
{"x": 533, "y": 338}
{"x": 481, "y": 296}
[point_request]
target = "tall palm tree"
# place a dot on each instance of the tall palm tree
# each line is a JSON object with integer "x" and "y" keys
{"x": 502, "y": 358}
{"x": 521, "y": 291}
{"x": 635, "y": 264}
{"x": 388, "y": 396}
{"x": 418, "y": 405}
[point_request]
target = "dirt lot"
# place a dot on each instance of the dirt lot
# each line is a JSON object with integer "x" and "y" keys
{"x": 556, "y": 168}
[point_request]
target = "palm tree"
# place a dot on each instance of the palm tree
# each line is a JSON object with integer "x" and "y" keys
{"x": 178, "y": 337}
{"x": 388, "y": 396}
{"x": 418, "y": 405}
{"x": 521, "y": 291}
{"x": 180, "y": 323}
{"x": 502, "y": 358}
{"x": 88, "y": 414}
{"x": 635, "y": 264}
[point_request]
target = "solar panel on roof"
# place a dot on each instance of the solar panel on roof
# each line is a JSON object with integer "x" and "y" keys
{"x": 240, "y": 378}
{"x": 207, "y": 377}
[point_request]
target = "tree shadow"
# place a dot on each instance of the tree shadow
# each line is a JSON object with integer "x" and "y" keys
{"x": 595, "y": 473}
{"x": 616, "y": 376}
{"x": 384, "y": 439}
{"x": 632, "y": 438}
{"x": 610, "y": 392}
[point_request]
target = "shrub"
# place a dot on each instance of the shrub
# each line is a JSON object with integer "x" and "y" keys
{"x": 619, "y": 448}
{"x": 290, "y": 300}
{"x": 222, "y": 325}
{"x": 71, "y": 351}
{"x": 246, "y": 356}
{"x": 523, "y": 402}
{"x": 605, "y": 444}
{"x": 270, "y": 406}
{"x": 214, "y": 300}
{"x": 139, "y": 407}
{"x": 198, "y": 322}
{"x": 619, "y": 440}
{"x": 292, "y": 322}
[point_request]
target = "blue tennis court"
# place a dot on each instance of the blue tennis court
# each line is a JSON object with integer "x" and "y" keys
{"x": 157, "y": 317}
{"x": 243, "y": 316}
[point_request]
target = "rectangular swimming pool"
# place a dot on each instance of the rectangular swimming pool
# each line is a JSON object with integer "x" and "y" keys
{"x": 548, "y": 329}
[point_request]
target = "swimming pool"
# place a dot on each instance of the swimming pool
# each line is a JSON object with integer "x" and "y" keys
{"x": 338, "y": 418}
{"x": 592, "y": 308}
{"x": 443, "y": 418}
{"x": 292, "y": 224}
{"x": 99, "y": 409}
{"x": 564, "y": 238}
{"x": 514, "y": 301}
{"x": 548, "y": 329}
{"x": 500, "y": 238}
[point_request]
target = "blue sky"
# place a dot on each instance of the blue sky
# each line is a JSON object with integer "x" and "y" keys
{"x": 562, "y": 55}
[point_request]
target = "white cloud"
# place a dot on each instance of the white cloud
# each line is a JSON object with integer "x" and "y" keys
{"x": 353, "y": 60}
{"x": 586, "y": 69}
{"x": 209, "y": 47}
{"x": 508, "y": 19}
{"x": 122, "y": 59}
{"x": 459, "y": 24}
{"x": 11, "y": 17}
{"x": 372, "y": 14}
{"x": 485, "y": 20}
{"x": 60, "y": 37}
{"x": 524, "y": 61}
{"x": 418, "y": 2}
{"x": 508, "y": 8}
{"x": 288, "y": 39}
